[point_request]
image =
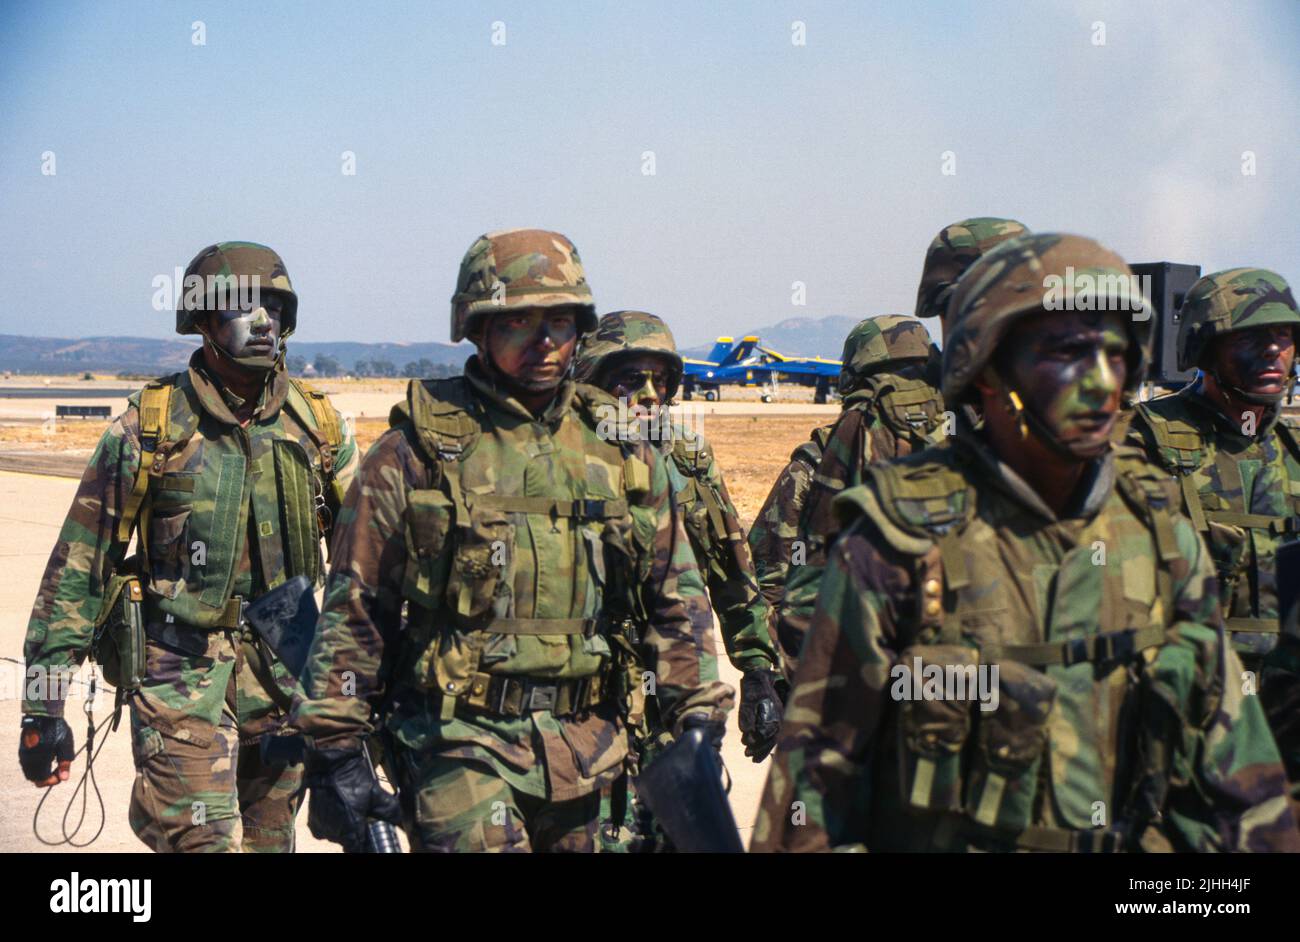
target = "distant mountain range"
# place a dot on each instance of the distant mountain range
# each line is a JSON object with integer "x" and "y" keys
{"x": 798, "y": 336}
{"x": 156, "y": 357}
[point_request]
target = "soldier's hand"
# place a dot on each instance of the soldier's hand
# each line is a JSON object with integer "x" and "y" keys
{"x": 761, "y": 707}
{"x": 43, "y": 741}
{"x": 715, "y": 729}
{"x": 343, "y": 794}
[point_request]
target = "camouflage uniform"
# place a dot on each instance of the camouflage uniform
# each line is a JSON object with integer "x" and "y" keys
{"x": 1120, "y": 720}
{"x": 890, "y": 410}
{"x": 229, "y": 513}
{"x": 524, "y": 549}
{"x": 699, "y": 494}
{"x": 1242, "y": 491}
{"x": 711, "y": 522}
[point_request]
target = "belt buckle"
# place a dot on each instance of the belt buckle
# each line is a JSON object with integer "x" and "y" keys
{"x": 542, "y": 697}
{"x": 243, "y": 610}
{"x": 1076, "y": 652}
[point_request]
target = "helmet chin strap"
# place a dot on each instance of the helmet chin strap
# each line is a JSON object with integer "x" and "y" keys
{"x": 1255, "y": 399}
{"x": 1029, "y": 422}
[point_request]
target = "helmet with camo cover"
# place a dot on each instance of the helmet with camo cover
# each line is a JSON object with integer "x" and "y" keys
{"x": 1037, "y": 272}
{"x": 622, "y": 335}
{"x": 953, "y": 251}
{"x": 217, "y": 273}
{"x": 876, "y": 342}
{"x": 1228, "y": 301}
{"x": 517, "y": 268}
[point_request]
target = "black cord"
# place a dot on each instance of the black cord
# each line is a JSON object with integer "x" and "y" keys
{"x": 89, "y": 775}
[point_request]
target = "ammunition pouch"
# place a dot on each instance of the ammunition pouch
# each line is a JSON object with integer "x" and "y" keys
{"x": 1009, "y": 748}
{"x": 118, "y": 644}
{"x": 933, "y": 732}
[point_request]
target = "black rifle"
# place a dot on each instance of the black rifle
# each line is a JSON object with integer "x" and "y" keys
{"x": 285, "y": 618}
{"x": 682, "y": 787}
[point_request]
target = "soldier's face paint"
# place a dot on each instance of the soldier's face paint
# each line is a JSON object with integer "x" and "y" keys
{"x": 1070, "y": 369}
{"x": 642, "y": 381}
{"x": 1258, "y": 361}
{"x": 249, "y": 334}
{"x": 533, "y": 346}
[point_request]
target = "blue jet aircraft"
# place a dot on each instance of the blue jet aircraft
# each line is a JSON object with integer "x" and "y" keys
{"x": 749, "y": 364}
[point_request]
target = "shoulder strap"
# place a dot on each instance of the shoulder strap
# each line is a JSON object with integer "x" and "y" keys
{"x": 1180, "y": 449}
{"x": 918, "y": 504}
{"x": 1150, "y": 498}
{"x": 442, "y": 412}
{"x": 154, "y": 408}
{"x": 1287, "y": 429}
{"x": 811, "y": 451}
{"x": 312, "y": 408}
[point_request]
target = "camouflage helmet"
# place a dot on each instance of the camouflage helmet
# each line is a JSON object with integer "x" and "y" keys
{"x": 1043, "y": 271}
{"x": 1228, "y": 301}
{"x": 517, "y": 268}
{"x": 879, "y": 341}
{"x": 624, "y": 334}
{"x": 216, "y": 266}
{"x": 953, "y": 251}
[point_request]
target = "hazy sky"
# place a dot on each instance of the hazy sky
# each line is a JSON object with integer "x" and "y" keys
{"x": 774, "y": 162}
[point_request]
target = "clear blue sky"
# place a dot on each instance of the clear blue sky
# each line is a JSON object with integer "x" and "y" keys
{"x": 775, "y": 163}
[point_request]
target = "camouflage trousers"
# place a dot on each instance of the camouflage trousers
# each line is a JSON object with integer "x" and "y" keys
{"x": 457, "y": 806}
{"x": 207, "y": 792}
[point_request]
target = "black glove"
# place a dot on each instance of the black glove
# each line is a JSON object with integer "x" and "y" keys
{"x": 714, "y": 729}
{"x": 761, "y": 706}
{"x": 344, "y": 793}
{"x": 43, "y": 740}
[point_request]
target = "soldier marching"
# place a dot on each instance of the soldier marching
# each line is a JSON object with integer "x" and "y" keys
{"x": 519, "y": 609}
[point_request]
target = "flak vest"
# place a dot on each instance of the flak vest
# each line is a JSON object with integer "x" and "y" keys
{"x": 191, "y": 508}
{"x": 911, "y": 409}
{"x": 492, "y": 557}
{"x": 1057, "y": 729}
{"x": 698, "y": 501}
{"x": 1183, "y": 451}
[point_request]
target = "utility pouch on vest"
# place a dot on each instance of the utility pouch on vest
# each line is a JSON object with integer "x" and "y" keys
{"x": 478, "y": 569}
{"x": 934, "y": 726}
{"x": 1009, "y": 748}
{"x": 118, "y": 645}
{"x": 429, "y": 519}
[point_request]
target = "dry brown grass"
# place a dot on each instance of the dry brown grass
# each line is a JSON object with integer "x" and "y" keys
{"x": 752, "y": 449}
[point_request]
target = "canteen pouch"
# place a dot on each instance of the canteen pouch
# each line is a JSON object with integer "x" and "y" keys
{"x": 118, "y": 642}
{"x": 933, "y": 727}
{"x": 1009, "y": 747}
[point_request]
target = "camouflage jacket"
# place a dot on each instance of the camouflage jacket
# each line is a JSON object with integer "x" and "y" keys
{"x": 776, "y": 527}
{"x": 864, "y": 434}
{"x": 718, "y": 540}
{"x": 230, "y": 513}
{"x": 1243, "y": 494}
{"x": 1117, "y": 718}
{"x": 403, "y": 538}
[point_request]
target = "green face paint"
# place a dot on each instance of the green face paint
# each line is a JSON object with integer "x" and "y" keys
{"x": 532, "y": 347}
{"x": 1069, "y": 368}
{"x": 641, "y": 380}
{"x": 251, "y": 336}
